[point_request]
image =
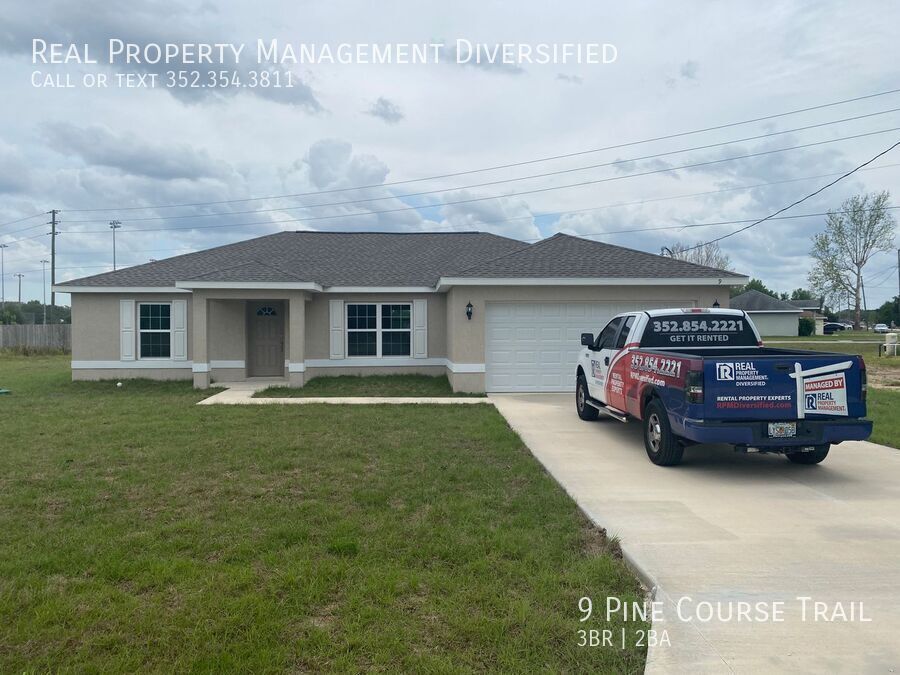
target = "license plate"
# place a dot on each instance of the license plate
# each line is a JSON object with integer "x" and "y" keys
{"x": 782, "y": 429}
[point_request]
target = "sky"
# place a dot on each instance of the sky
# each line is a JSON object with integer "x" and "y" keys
{"x": 344, "y": 130}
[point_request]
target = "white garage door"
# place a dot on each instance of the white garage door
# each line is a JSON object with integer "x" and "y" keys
{"x": 534, "y": 346}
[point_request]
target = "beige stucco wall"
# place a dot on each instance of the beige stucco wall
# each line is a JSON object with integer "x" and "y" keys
{"x": 465, "y": 339}
{"x": 317, "y": 319}
{"x": 95, "y": 319}
{"x": 95, "y": 323}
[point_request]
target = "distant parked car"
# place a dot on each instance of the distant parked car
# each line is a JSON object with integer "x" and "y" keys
{"x": 848, "y": 326}
{"x": 832, "y": 328}
{"x": 881, "y": 328}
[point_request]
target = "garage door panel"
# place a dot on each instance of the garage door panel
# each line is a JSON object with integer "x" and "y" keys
{"x": 535, "y": 346}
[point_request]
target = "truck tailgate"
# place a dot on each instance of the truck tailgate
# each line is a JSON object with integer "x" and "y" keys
{"x": 783, "y": 387}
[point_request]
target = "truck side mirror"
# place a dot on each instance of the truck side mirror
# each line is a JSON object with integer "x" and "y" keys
{"x": 587, "y": 339}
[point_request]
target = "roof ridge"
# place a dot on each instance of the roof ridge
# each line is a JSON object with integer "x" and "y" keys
{"x": 657, "y": 255}
{"x": 525, "y": 247}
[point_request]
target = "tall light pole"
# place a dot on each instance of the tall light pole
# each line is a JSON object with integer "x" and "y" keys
{"x": 20, "y": 285}
{"x": 114, "y": 225}
{"x": 3, "y": 279}
{"x": 44, "y": 284}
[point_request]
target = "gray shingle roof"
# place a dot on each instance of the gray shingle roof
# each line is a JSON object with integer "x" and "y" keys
{"x": 566, "y": 256}
{"x": 811, "y": 304}
{"x": 398, "y": 259}
{"x": 754, "y": 301}
{"x": 326, "y": 258}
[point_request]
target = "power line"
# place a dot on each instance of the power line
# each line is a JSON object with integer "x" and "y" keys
{"x": 503, "y": 181}
{"x": 692, "y": 225}
{"x": 20, "y": 220}
{"x": 504, "y": 166}
{"x": 521, "y": 192}
{"x": 799, "y": 201}
{"x": 505, "y": 220}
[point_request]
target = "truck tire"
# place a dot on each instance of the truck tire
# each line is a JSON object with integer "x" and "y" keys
{"x": 662, "y": 445}
{"x": 586, "y": 412}
{"x": 811, "y": 457}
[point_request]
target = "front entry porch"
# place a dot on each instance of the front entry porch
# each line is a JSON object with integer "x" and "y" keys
{"x": 242, "y": 335}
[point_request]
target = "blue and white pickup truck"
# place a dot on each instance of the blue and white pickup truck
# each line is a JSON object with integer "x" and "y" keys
{"x": 703, "y": 376}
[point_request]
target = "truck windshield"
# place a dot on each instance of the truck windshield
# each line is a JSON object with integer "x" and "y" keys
{"x": 698, "y": 330}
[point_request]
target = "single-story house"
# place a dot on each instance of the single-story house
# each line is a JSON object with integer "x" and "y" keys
{"x": 812, "y": 309}
{"x": 492, "y": 313}
{"x": 771, "y": 315}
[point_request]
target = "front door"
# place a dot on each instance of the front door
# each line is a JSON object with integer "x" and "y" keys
{"x": 265, "y": 339}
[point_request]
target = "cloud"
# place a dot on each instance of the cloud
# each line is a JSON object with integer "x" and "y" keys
{"x": 387, "y": 110}
{"x": 97, "y": 145}
{"x": 507, "y": 216}
{"x": 453, "y": 55}
{"x": 689, "y": 70}
{"x": 572, "y": 79}
{"x": 94, "y": 22}
{"x": 15, "y": 174}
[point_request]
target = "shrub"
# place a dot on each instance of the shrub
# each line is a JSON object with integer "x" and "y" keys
{"x": 807, "y": 327}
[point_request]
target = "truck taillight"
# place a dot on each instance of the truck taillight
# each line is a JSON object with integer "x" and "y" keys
{"x": 863, "y": 378}
{"x": 693, "y": 386}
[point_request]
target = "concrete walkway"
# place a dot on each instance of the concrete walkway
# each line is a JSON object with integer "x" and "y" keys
{"x": 726, "y": 527}
{"x": 241, "y": 393}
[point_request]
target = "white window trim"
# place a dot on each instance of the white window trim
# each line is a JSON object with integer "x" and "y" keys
{"x": 139, "y": 330}
{"x": 378, "y": 329}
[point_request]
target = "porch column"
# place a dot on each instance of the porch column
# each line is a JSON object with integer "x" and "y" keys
{"x": 199, "y": 341}
{"x": 297, "y": 331}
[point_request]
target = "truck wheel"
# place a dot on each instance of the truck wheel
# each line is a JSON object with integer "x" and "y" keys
{"x": 662, "y": 445}
{"x": 585, "y": 411}
{"x": 811, "y": 457}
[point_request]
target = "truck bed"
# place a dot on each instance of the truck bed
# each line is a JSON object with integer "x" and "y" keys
{"x": 731, "y": 352}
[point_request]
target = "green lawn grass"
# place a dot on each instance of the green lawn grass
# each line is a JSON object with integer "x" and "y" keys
{"x": 883, "y": 409}
{"x": 139, "y": 532}
{"x": 371, "y": 385}
{"x": 882, "y": 371}
{"x": 864, "y": 335}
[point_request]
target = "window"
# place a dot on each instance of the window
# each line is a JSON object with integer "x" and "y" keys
{"x": 266, "y": 311}
{"x": 155, "y": 330}
{"x": 608, "y": 334}
{"x": 626, "y": 329}
{"x": 379, "y": 329}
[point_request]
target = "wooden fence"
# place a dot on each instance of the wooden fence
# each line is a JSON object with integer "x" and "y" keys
{"x": 57, "y": 337}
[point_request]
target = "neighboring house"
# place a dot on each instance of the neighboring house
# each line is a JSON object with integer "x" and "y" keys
{"x": 492, "y": 313}
{"x": 771, "y": 315}
{"x": 812, "y": 309}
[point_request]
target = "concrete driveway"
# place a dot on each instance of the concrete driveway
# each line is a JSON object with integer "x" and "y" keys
{"x": 726, "y": 527}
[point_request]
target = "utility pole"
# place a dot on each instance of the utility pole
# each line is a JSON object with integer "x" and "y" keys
{"x": 3, "y": 279}
{"x": 44, "y": 284}
{"x": 20, "y": 286}
{"x": 53, "y": 223}
{"x": 114, "y": 225}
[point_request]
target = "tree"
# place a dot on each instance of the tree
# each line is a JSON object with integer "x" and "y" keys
{"x": 753, "y": 285}
{"x": 889, "y": 312}
{"x": 708, "y": 255}
{"x": 861, "y": 228}
{"x": 801, "y": 294}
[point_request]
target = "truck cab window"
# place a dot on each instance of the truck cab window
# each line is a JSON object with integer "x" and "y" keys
{"x": 608, "y": 334}
{"x": 623, "y": 334}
